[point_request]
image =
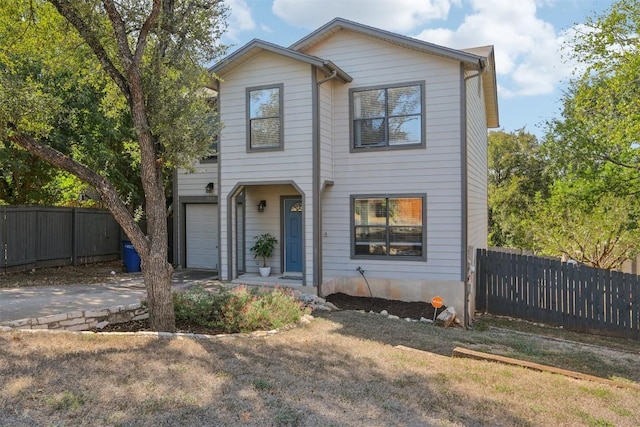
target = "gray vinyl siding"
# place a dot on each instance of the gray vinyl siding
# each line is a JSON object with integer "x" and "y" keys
{"x": 293, "y": 164}
{"x": 326, "y": 130}
{"x": 477, "y": 165}
{"x": 194, "y": 183}
{"x": 434, "y": 170}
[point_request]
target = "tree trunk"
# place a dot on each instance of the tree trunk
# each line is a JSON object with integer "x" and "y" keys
{"x": 152, "y": 248}
{"x": 157, "y": 274}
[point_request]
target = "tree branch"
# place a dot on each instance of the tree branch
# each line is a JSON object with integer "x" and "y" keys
{"x": 100, "y": 183}
{"x": 618, "y": 162}
{"x": 66, "y": 10}
{"x": 144, "y": 31}
{"x": 119, "y": 32}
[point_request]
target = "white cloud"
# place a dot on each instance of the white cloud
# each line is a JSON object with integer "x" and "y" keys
{"x": 394, "y": 15}
{"x": 240, "y": 18}
{"x": 528, "y": 49}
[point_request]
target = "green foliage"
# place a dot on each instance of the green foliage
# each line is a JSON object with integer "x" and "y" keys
{"x": 517, "y": 175}
{"x": 575, "y": 194}
{"x": 238, "y": 310}
{"x": 593, "y": 150}
{"x": 602, "y": 233}
{"x": 262, "y": 385}
{"x": 53, "y": 88}
{"x": 264, "y": 246}
{"x": 66, "y": 401}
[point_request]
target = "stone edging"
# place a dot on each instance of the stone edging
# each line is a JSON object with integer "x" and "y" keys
{"x": 307, "y": 318}
{"x": 82, "y": 320}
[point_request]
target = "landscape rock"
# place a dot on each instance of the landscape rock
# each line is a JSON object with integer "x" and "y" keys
{"x": 384, "y": 312}
{"x": 447, "y": 317}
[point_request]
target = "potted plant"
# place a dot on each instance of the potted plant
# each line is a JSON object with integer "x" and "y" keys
{"x": 263, "y": 248}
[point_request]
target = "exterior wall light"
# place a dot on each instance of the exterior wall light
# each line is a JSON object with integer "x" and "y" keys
{"x": 209, "y": 188}
{"x": 262, "y": 205}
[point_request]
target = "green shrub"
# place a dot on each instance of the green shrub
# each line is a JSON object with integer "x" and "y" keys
{"x": 194, "y": 306}
{"x": 238, "y": 310}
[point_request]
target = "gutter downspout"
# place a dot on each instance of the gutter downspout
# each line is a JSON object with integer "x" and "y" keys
{"x": 317, "y": 211}
{"x": 468, "y": 270}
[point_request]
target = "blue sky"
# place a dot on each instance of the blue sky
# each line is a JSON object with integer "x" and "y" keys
{"x": 527, "y": 35}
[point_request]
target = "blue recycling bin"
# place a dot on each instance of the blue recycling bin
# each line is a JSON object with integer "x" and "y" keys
{"x": 130, "y": 257}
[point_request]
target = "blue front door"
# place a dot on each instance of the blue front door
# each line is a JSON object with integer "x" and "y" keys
{"x": 293, "y": 235}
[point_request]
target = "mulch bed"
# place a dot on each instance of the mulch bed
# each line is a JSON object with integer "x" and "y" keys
{"x": 402, "y": 309}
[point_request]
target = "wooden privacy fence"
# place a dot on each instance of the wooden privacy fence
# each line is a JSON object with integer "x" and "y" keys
{"x": 33, "y": 236}
{"x": 577, "y": 297}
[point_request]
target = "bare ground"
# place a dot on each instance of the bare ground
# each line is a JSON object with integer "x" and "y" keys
{"x": 69, "y": 275}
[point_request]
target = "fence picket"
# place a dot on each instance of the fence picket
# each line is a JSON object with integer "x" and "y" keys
{"x": 34, "y": 236}
{"x": 576, "y": 297}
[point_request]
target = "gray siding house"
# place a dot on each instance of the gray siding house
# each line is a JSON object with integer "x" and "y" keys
{"x": 356, "y": 147}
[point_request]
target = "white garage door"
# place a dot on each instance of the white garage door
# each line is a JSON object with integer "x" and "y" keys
{"x": 201, "y": 235}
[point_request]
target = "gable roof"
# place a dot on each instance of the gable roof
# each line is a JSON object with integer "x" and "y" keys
{"x": 337, "y": 24}
{"x": 479, "y": 58}
{"x": 256, "y": 46}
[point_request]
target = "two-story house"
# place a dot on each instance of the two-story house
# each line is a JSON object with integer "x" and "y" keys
{"x": 356, "y": 147}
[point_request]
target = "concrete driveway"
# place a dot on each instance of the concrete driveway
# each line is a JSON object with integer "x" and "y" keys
{"x": 32, "y": 302}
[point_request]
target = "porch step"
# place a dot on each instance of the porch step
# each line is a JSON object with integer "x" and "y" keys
{"x": 274, "y": 281}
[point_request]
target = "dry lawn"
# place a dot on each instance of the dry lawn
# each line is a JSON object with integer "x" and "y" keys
{"x": 342, "y": 369}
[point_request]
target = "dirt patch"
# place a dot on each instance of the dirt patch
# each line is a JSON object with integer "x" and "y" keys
{"x": 402, "y": 309}
{"x": 102, "y": 272}
{"x": 144, "y": 325}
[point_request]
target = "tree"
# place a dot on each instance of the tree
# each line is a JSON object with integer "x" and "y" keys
{"x": 593, "y": 149}
{"x": 601, "y": 233}
{"x": 600, "y": 120}
{"x": 148, "y": 58}
{"x": 517, "y": 176}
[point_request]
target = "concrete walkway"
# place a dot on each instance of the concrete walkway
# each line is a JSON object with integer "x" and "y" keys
{"x": 33, "y": 302}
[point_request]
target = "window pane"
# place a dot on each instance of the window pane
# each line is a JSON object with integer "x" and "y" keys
{"x": 405, "y": 100}
{"x": 370, "y": 212}
{"x": 370, "y": 240}
{"x": 264, "y": 103}
{"x": 405, "y": 241}
{"x": 405, "y": 235}
{"x": 265, "y": 133}
{"x": 405, "y": 211}
{"x": 368, "y": 133}
{"x": 369, "y": 104}
{"x": 405, "y": 130}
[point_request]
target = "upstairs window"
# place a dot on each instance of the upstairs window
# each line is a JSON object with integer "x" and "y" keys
{"x": 264, "y": 117}
{"x": 213, "y": 121}
{"x": 389, "y": 226}
{"x": 388, "y": 117}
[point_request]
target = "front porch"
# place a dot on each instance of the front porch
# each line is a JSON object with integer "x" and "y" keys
{"x": 275, "y": 280}
{"x": 280, "y": 209}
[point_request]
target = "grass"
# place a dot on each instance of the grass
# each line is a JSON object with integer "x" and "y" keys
{"x": 65, "y": 401}
{"x": 342, "y": 369}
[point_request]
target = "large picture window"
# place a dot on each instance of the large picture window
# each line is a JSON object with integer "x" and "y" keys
{"x": 388, "y": 117}
{"x": 264, "y": 114}
{"x": 389, "y": 226}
